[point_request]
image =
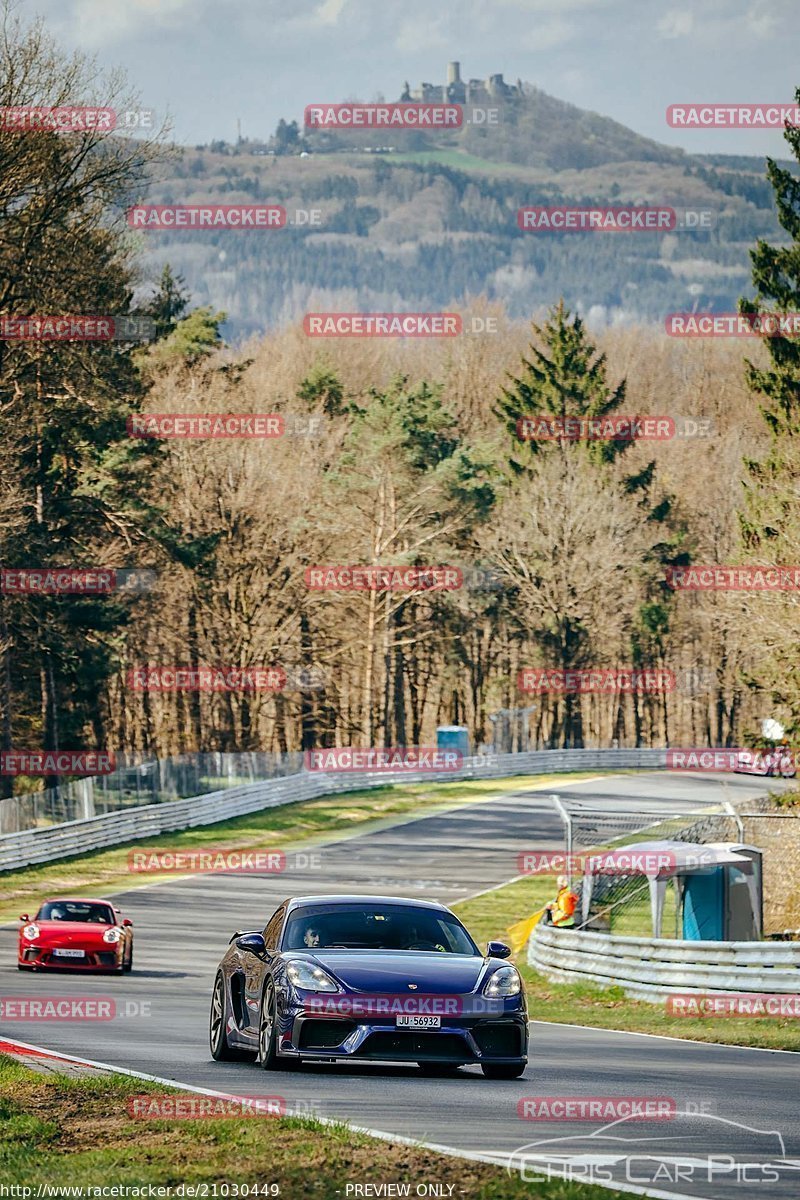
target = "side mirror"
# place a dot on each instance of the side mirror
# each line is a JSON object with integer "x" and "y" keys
{"x": 253, "y": 943}
{"x": 126, "y": 924}
{"x": 498, "y": 950}
{"x": 24, "y": 917}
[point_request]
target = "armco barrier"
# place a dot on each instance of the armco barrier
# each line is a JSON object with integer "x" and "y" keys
{"x": 150, "y": 820}
{"x": 653, "y": 968}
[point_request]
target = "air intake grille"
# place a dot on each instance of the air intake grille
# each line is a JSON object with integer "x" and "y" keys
{"x": 416, "y": 1045}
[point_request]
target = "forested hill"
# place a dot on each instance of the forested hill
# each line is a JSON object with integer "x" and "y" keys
{"x": 434, "y": 222}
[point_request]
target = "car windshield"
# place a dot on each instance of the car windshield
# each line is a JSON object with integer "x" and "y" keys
{"x": 76, "y": 910}
{"x": 379, "y": 927}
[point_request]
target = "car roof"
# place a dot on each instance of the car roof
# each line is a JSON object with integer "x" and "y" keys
{"x": 304, "y": 901}
{"x": 76, "y": 900}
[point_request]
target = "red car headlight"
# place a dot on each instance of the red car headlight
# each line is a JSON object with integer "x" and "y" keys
{"x": 31, "y": 932}
{"x": 112, "y": 936}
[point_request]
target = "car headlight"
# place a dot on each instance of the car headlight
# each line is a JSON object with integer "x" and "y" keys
{"x": 112, "y": 936}
{"x": 31, "y": 932}
{"x": 504, "y": 982}
{"x": 312, "y": 979}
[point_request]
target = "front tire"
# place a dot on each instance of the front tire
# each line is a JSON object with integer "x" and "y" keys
{"x": 127, "y": 963}
{"x": 267, "y": 1030}
{"x": 503, "y": 1070}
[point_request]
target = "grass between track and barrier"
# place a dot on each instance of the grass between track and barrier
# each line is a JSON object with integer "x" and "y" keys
{"x": 488, "y": 916}
{"x": 292, "y": 826}
{"x": 61, "y": 1133}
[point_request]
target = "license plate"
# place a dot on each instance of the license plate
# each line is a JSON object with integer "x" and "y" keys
{"x": 69, "y": 954}
{"x": 419, "y": 1022}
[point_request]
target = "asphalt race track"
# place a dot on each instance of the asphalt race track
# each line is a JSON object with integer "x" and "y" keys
{"x": 738, "y": 1105}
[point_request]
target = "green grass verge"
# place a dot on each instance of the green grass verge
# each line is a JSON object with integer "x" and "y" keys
{"x": 305, "y": 823}
{"x": 460, "y": 160}
{"x": 65, "y": 1133}
{"x": 490, "y": 915}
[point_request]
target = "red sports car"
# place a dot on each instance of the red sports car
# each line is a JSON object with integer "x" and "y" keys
{"x": 89, "y": 935}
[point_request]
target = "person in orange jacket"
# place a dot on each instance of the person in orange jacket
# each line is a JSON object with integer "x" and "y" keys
{"x": 561, "y": 911}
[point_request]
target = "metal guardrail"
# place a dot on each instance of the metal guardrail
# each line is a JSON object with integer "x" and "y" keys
{"x": 138, "y": 779}
{"x": 145, "y": 821}
{"x": 653, "y": 968}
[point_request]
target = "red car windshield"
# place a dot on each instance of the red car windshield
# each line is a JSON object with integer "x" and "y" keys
{"x": 76, "y": 910}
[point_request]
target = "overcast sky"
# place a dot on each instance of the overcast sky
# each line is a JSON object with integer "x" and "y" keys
{"x": 209, "y": 62}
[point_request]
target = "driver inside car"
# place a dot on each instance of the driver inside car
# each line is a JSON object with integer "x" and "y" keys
{"x": 417, "y": 940}
{"x": 311, "y": 937}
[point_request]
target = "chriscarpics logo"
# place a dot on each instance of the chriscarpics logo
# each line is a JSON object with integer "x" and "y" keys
{"x": 663, "y": 1146}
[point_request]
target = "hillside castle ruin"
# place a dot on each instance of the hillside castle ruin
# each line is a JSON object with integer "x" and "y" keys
{"x": 459, "y": 91}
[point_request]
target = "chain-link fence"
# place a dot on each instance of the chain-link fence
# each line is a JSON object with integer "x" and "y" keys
{"x": 142, "y": 779}
{"x": 621, "y": 903}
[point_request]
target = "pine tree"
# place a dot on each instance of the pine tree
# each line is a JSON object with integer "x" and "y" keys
{"x": 169, "y": 303}
{"x": 565, "y": 379}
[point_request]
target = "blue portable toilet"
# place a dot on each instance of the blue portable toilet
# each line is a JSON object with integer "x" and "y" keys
{"x": 724, "y": 903}
{"x": 703, "y": 906}
{"x": 453, "y": 737}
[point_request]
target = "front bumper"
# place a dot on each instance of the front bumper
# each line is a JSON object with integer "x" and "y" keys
{"x": 500, "y": 1038}
{"x": 41, "y": 958}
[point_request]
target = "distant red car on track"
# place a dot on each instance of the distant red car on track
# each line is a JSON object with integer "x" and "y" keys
{"x": 88, "y": 935}
{"x": 779, "y": 761}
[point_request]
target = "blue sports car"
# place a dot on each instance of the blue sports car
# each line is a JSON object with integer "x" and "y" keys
{"x": 368, "y": 978}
